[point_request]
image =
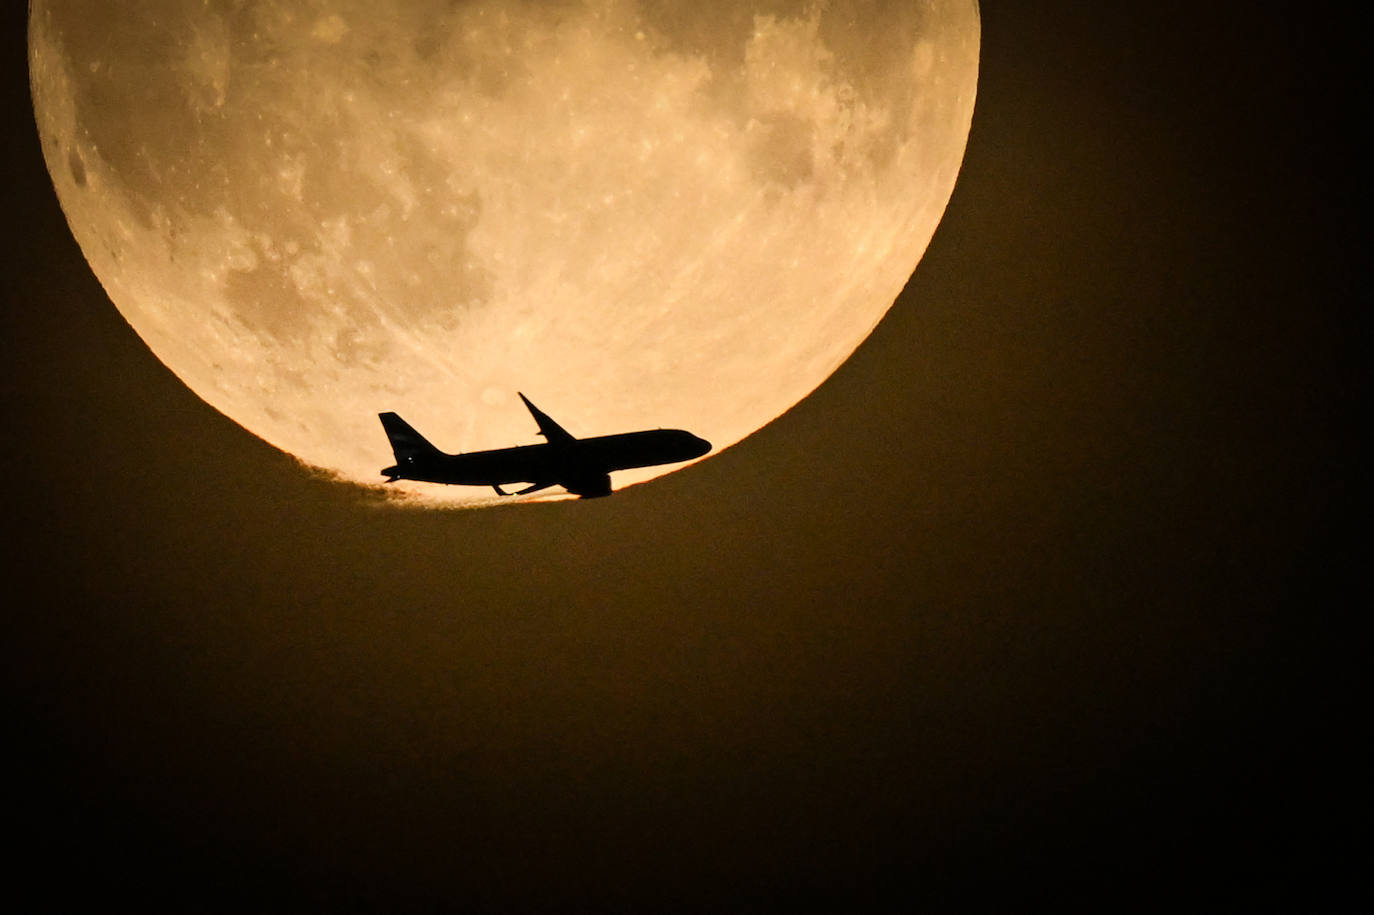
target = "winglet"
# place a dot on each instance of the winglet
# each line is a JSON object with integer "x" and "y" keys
{"x": 552, "y": 432}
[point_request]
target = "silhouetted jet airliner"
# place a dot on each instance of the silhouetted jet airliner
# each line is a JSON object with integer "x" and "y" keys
{"x": 582, "y": 466}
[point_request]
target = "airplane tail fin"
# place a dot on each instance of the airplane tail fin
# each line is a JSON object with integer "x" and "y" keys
{"x": 409, "y": 446}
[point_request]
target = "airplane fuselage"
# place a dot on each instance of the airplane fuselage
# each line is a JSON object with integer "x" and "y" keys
{"x": 585, "y": 457}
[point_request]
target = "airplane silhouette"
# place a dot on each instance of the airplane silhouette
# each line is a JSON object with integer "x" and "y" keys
{"x": 582, "y": 466}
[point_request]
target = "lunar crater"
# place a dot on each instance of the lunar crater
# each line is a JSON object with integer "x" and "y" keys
{"x": 77, "y": 167}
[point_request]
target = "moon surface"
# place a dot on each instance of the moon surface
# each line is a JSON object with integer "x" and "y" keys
{"x": 641, "y": 213}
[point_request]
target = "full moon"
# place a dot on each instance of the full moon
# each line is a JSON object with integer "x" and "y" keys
{"x": 640, "y": 213}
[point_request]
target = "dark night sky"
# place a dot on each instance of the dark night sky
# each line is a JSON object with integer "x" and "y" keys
{"x": 1047, "y": 596}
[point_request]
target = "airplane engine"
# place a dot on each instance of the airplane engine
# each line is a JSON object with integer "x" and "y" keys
{"x": 589, "y": 486}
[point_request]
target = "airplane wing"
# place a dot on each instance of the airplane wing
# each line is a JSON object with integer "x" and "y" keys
{"x": 529, "y": 489}
{"x": 553, "y": 433}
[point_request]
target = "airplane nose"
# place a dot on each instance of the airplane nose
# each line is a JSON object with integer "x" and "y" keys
{"x": 700, "y": 445}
